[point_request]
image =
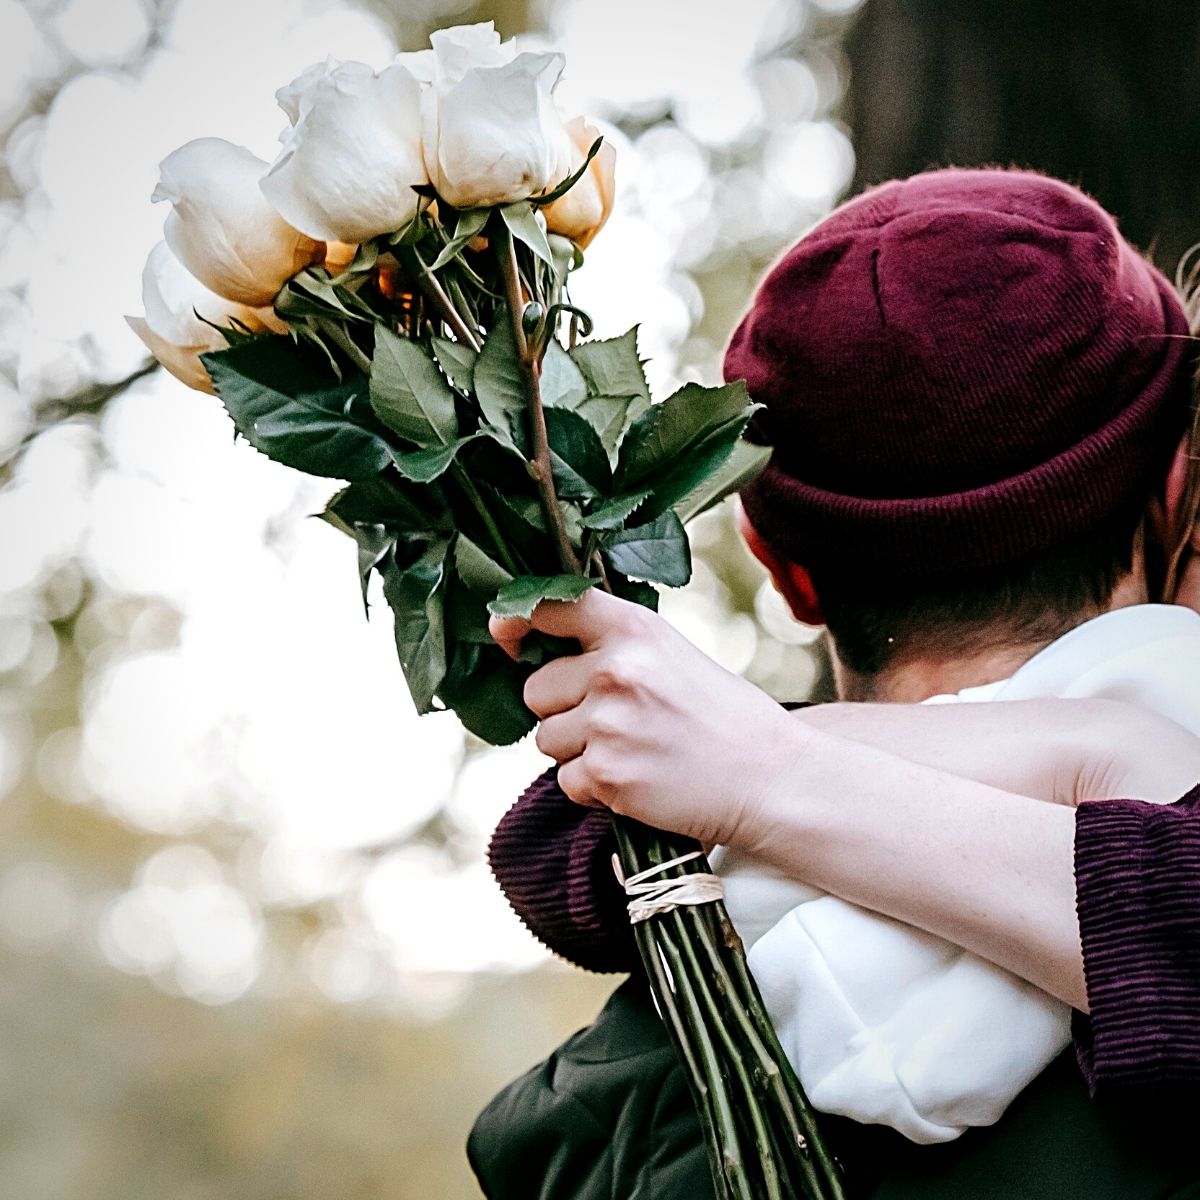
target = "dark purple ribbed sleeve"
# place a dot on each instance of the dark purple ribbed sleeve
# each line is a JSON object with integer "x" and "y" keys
{"x": 553, "y": 860}
{"x": 1137, "y": 879}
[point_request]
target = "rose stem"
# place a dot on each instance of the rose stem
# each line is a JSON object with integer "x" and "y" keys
{"x": 731, "y": 1151}
{"x": 770, "y": 1070}
{"x": 343, "y": 340}
{"x": 427, "y": 281}
{"x": 752, "y": 1002}
{"x": 761, "y": 1137}
{"x": 668, "y": 1007}
{"x": 530, "y": 370}
{"x": 489, "y": 522}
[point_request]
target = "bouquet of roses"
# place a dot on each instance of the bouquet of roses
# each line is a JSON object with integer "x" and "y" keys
{"x": 387, "y": 305}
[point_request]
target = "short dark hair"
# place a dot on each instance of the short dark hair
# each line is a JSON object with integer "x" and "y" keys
{"x": 1032, "y": 601}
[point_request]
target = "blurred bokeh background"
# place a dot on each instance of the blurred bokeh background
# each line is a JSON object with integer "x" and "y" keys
{"x": 249, "y": 947}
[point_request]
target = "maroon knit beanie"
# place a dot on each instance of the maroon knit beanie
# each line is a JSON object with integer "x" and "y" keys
{"x": 958, "y": 369}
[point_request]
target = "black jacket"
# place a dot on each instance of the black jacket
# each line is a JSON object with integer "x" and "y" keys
{"x": 608, "y": 1116}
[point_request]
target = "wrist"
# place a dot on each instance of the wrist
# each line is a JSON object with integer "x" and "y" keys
{"x": 777, "y": 805}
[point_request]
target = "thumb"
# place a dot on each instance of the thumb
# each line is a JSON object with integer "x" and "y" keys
{"x": 592, "y": 619}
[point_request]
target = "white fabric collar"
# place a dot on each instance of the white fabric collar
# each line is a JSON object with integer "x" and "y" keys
{"x": 1054, "y": 669}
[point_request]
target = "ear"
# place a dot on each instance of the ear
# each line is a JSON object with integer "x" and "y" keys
{"x": 1187, "y": 579}
{"x": 791, "y": 580}
{"x": 1176, "y": 482}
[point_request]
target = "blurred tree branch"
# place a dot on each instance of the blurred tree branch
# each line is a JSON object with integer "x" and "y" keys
{"x": 89, "y": 401}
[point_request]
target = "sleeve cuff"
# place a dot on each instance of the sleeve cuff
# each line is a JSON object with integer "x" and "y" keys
{"x": 553, "y": 861}
{"x": 1137, "y": 875}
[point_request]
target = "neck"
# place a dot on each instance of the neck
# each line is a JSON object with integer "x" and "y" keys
{"x": 914, "y": 679}
{"x": 930, "y": 671}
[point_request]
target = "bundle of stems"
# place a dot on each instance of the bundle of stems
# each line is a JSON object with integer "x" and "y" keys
{"x": 759, "y": 1128}
{"x": 762, "y": 1135}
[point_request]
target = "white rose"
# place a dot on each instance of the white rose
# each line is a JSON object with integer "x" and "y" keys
{"x": 222, "y": 228}
{"x": 580, "y": 212}
{"x": 352, "y": 157}
{"x": 490, "y": 131}
{"x": 171, "y": 329}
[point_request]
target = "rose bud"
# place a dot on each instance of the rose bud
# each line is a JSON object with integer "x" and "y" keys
{"x": 173, "y": 332}
{"x": 580, "y": 212}
{"x": 222, "y": 228}
{"x": 490, "y": 130}
{"x": 352, "y": 156}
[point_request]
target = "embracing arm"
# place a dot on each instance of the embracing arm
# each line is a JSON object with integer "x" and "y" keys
{"x": 646, "y": 725}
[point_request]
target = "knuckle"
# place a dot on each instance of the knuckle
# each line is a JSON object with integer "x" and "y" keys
{"x": 606, "y": 770}
{"x": 620, "y": 670}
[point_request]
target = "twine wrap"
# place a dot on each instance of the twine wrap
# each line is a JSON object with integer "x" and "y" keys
{"x": 651, "y": 895}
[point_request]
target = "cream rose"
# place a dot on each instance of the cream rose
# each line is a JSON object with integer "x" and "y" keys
{"x": 352, "y": 157}
{"x": 171, "y": 329}
{"x": 489, "y": 128}
{"x": 580, "y": 212}
{"x": 221, "y": 226}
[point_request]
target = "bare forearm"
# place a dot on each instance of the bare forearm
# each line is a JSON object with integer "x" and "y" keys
{"x": 988, "y": 870}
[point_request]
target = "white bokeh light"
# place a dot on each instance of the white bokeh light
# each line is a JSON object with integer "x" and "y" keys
{"x": 103, "y": 31}
{"x": 184, "y": 924}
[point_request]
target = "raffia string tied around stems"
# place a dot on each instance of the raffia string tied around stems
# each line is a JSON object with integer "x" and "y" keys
{"x": 652, "y": 896}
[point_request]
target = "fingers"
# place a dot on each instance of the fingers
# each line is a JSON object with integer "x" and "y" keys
{"x": 562, "y": 736}
{"x": 575, "y": 780}
{"x": 559, "y": 685}
{"x": 591, "y": 619}
{"x": 507, "y": 632}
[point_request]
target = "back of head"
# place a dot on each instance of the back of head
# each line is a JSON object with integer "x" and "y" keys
{"x": 962, "y": 373}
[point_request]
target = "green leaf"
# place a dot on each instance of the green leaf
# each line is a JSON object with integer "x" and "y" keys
{"x": 457, "y": 360}
{"x": 562, "y": 383}
{"x": 571, "y": 180}
{"x": 610, "y": 416}
{"x": 525, "y": 228}
{"x": 273, "y": 390}
{"x": 665, "y": 432}
{"x": 612, "y": 513}
{"x": 499, "y": 386}
{"x": 470, "y": 222}
{"x": 409, "y": 393}
{"x": 578, "y": 459}
{"x": 745, "y": 461}
{"x": 689, "y": 473}
{"x": 317, "y": 284}
{"x": 308, "y": 329}
{"x": 644, "y": 594}
{"x": 572, "y": 516}
{"x": 466, "y": 614}
{"x": 486, "y": 689}
{"x": 520, "y": 596}
{"x": 612, "y": 367}
{"x": 478, "y": 571}
{"x": 387, "y": 501}
{"x": 363, "y": 261}
{"x": 374, "y": 542}
{"x": 657, "y": 551}
{"x": 528, "y": 509}
{"x": 415, "y": 596}
{"x": 522, "y": 526}
{"x": 421, "y": 466}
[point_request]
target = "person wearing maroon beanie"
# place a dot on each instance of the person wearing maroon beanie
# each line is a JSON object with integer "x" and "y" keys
{"x": 975, "y": 391}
